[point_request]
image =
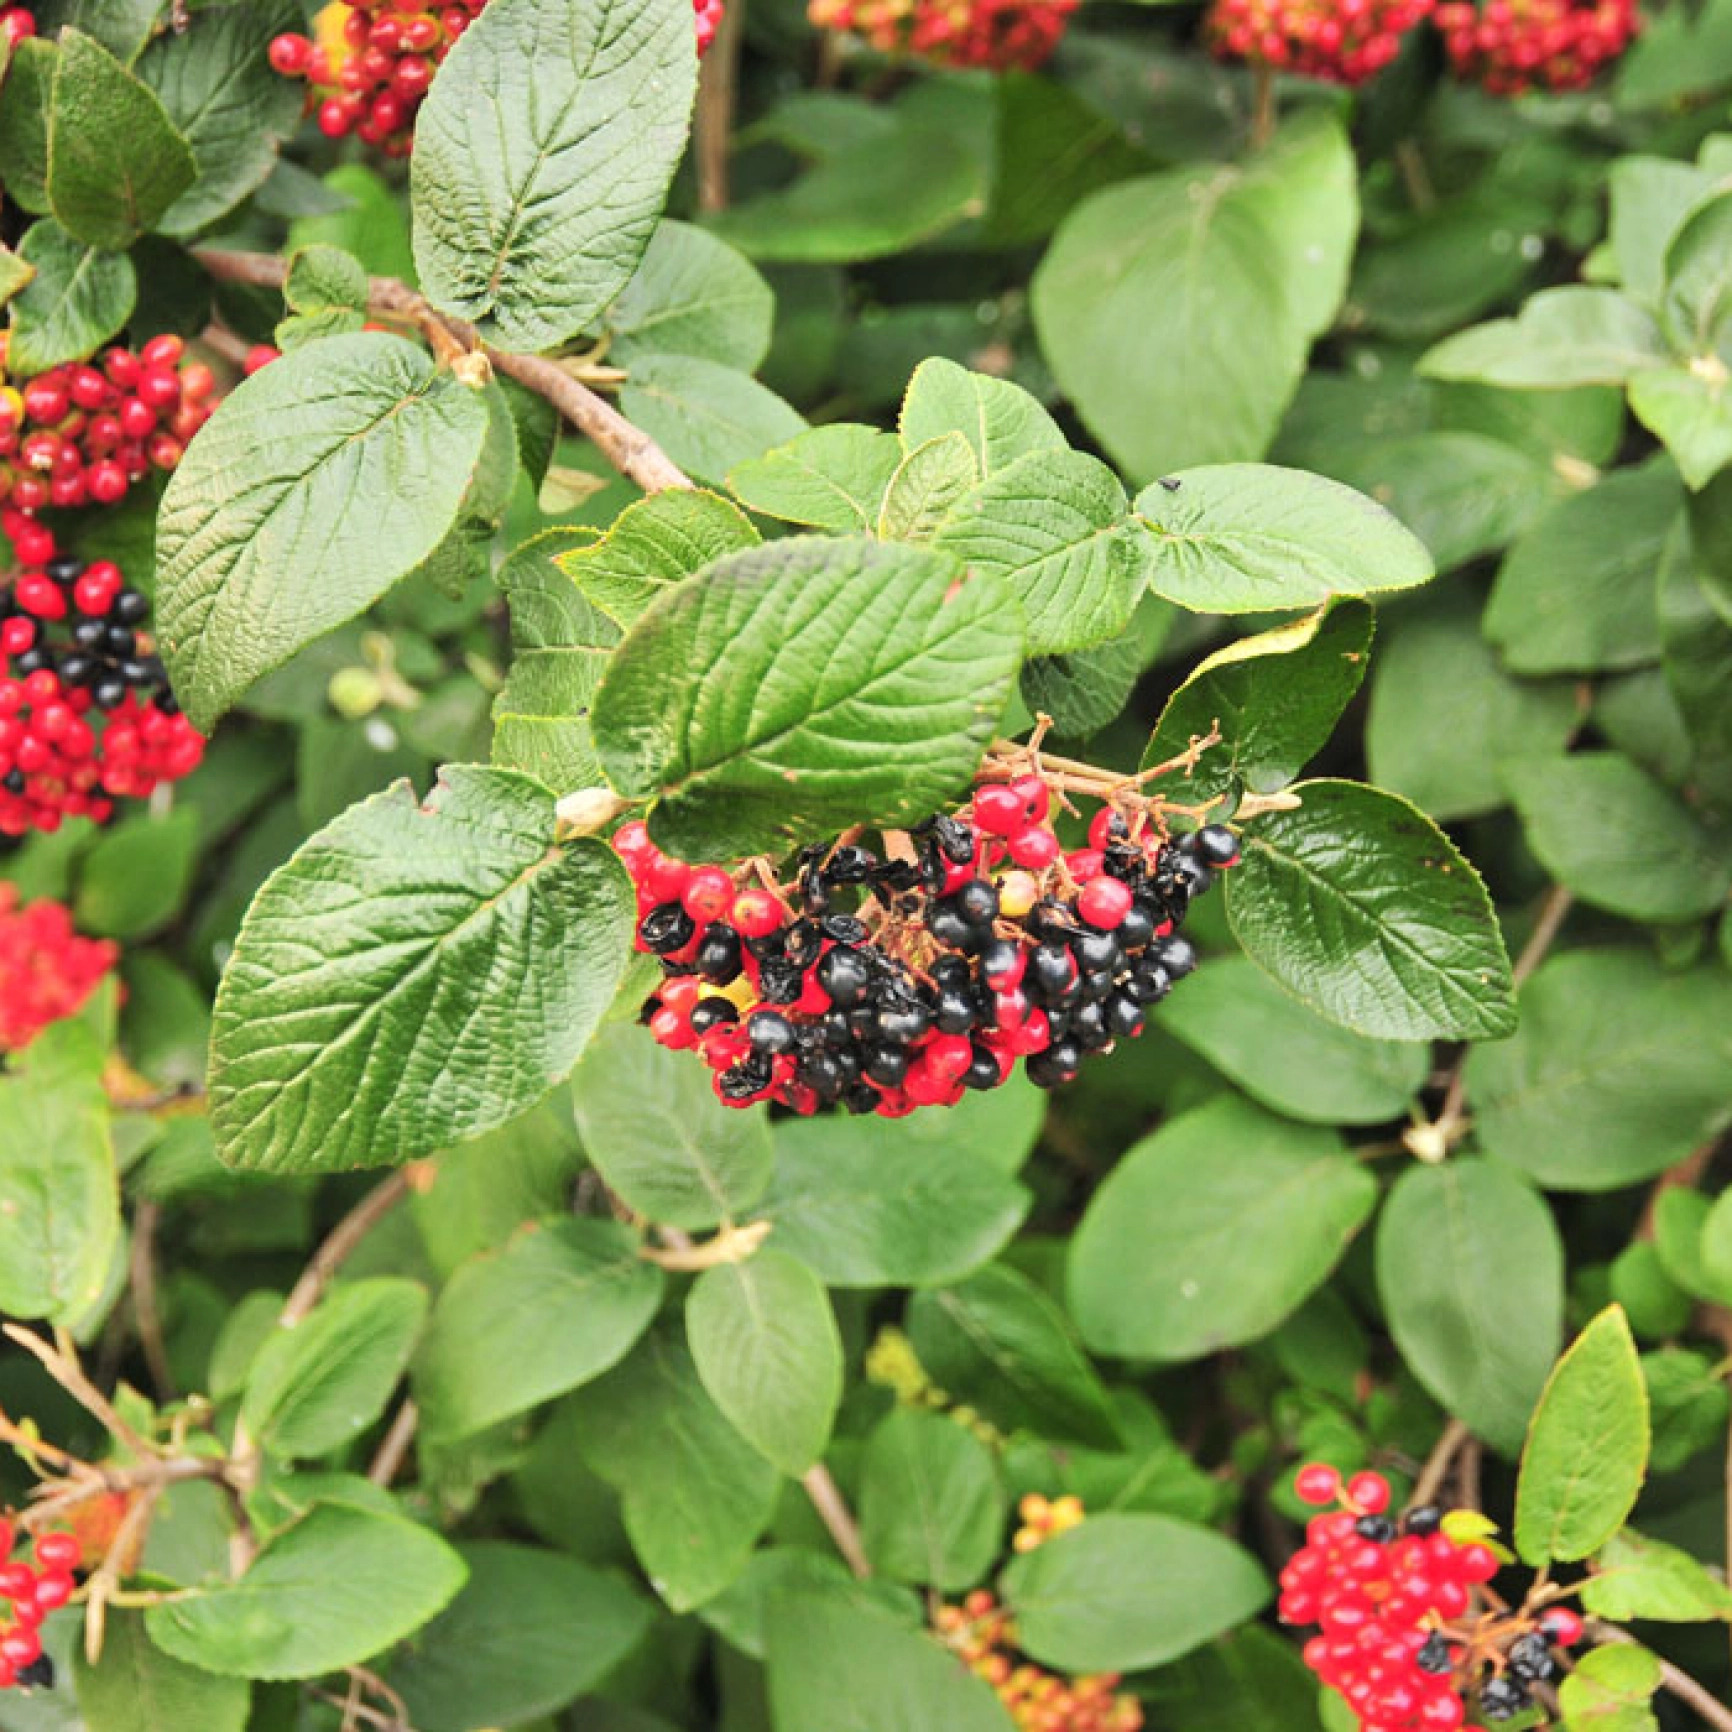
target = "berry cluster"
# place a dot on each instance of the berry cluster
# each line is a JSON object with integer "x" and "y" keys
{"x": 86, "y": 714}
{"x": 31, "y": 1592}
{"x": 1403, "y": 1638}
{"x": 372, "y": 61}
{"x": 1043, "y": 1519}
{"x": 1341, "y": 41}
{"x": 81, "y": 434}
{"x": 981, "y": 1633}
{"x": 999, "y": 34}
{"x": 17, "y": 22}
{"x": 46, "y": 970}
{"x": 984, "y": 943}
{"x": 1513, "y": 46}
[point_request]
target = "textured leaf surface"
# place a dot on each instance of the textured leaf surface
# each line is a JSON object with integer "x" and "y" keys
{"x": 571, "y": 1296}
{"x": 1617, "y": 1070}
{"x": 1470, "y": 1269}
{"x": 830, "y": 478}
{"x": 1120, "y": 1592}
{"x": 998, "y": 418}
{"x": 79, "y": 297}
{"x": 1611, "y": 1690}
{"x": 139, "y": 1688}
{"x": 460, "y": 965}
{"x": 709, "y": 418}
{"x": 766, "y": 1347}
{"x": 1211, "y": 1231}
{"x": 542, "y": 156}
{"x": 59, "y": 1203}
{"x": 1636, "y": 1577}
{"x": 693, "y": 295}
{"x": 931, "y": 482}
{"x": 1362, "y": 908}
{"x": 331, "y": 1590}
{"x": 116, "y": 162}
{"x": 1567, "y": 336}
{"x": 652, "y": 1125}
{"x": 931, "y": 1508}
{"x": 1587, "y": 1448}
{"x": 802, "y": 685}
{"x": 1246, "y": 537}
{"x": 261, "y": 546}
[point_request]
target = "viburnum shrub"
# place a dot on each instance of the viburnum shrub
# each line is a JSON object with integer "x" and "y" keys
{"x": 889, "y": 891}
{"x": 1512, "y": 46}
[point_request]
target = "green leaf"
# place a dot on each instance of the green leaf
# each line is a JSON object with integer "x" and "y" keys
{"x": 1694, "y": 303}
{"x": 829, "y": 477}
{"x": 1617, "y": 1070}
{"x": 1610, "y": 1689}
{"x": 135, "y": 879}
{"x": 740, "y": 1614}
{"x": 696, "y": 1503}
{"x": 998, "y": 1344}
{"x": 839, "y": 1663}
{"x": 692, "y": 295}
{"x": 652, "y": 545}
{"x": 1250, "y": 537}
{"x": 116, "y": 161}
{"x": 707, "y": 417}
{"x": 1636, "y": 1577}
{"x": 1470, "y": 1270}
{"x": 314, "y": 1387}
{"x": 138, "y": 1688}
{"x": 1212, "y": 1231}
{"x": 1052, "y": 525}
{"x": 530, "y": 1631}
{"x": 24, "y": 120}
{"x": 766, "y": 1348}
{"x": 1688, "y": 1406}
{"x": 867, "y": 1207}
{"x": 802, "y": 686}
{"x": 1618, "y": 839}
{"x": 78, "y": 298}
{"x": 260, "y": 549}
{"x": 461, "y": 965}
{"x": 999, "y": 419}
{"x": 1119, "y": 1592}
{"x": 1696, "y": 650}
{"x": 930, "y": 482}
{"x": 59, "y": 1203}
{"x": 866, "y": 198}
{"x": 1275, "y": 698}
{"x": 1176, "y": 310}
{"x": 322, "y": 277}
{"x": 1576, "y": 592}
{"x": 652, "y": 1125}
{"x": 1443, "y": 754}
{"x": 1649, "y": 197}
{"x": 1567, "y": 336}
{"x": 931, "y": 1507}
{"x": 1287, "y": 1057}
{"x": 1363, "y": 909}
{"x": 330, "y": 1590}
{"x": 1689, "y": 412}
{"x": 15, "y": 273}
{"x": 571, "y": 1296}
{"x": 1587, "y": 1447}
{"x": 540, "y": 103}
{"x": 216, "y": 83}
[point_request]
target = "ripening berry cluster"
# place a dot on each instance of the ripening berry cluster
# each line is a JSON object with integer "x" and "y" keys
{"x": 82, "y": 434}
{"x": 1513, "y": 46}
{"x": 28, "y": 1593}
{"x": 17, "y": 22}
{"x": 1341, "y": 41}
{"x": 46, "y": 970}
{"x": 1000, "y": 34}
{"x": 372, "y": 61}
{"x": 86, "y": 714}
{"x": 1044, "y": 1518}
{"x": 982, "y": 1634}
{"x": 1393, "y": 1601}
{"x": 990, "y": 945}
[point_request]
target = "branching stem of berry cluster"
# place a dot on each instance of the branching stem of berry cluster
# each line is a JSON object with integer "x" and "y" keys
{"x": 629, "y": 449}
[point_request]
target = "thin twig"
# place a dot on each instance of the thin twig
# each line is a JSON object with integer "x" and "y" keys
{"x": 713, "y": 124}
{"x": 1438, "y": 1463}
{"x": 70, "y": 1376}
{"x": 341, "y": 1243}
{"x": 128, "y": 1538}
{"x": 146, "y": 1315}
{"x": 393, "y": 1448}
{"x": 730, "y": 1245}
{"x": 630, "y": 450}
{"x": 834, "y": 1513}
{"x": 1673, "y": 1678}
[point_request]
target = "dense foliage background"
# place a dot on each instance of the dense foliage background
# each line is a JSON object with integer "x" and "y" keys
{"x": 511, "y": 1449}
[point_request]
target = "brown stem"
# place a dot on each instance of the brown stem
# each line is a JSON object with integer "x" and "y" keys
{"x": 1415, "y": 176}
{"x": 67, "y": 1373}
{"x": 631, "y": 451}
{"x": 1714, "y": 1712}
{"x": 1263, "y": 106}
{"x": 128, "y": 1537}
{"x": 341, "y": 1243}
{"x": 730, "y": 1245}
{"x": 1439, "y": 1462}
{"x": 834, "y": 1513}
{"x": 713, "y": 124}
{"x": 146, "y": 1315}
{"x": 393, "y": 1448}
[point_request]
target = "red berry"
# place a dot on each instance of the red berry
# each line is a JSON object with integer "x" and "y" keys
{"x": 999, "y": 810}
{"x": 1317, "y": 1484}
{"x": 1104, "y": 902}
{"x": 58, "y": 1551}
{"x": 756, "y": 914}
{"x": 708, "y": 894}
{"x": 1368, "y": 1493}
